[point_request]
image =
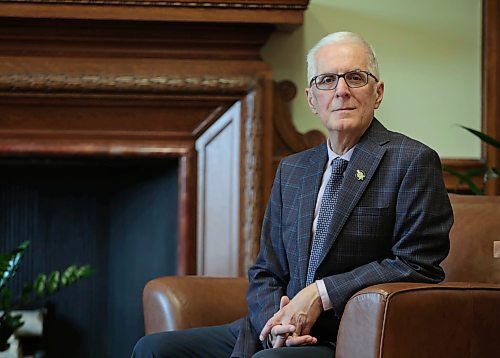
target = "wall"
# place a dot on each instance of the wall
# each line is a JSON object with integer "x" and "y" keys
{"x": 430, "y": 60}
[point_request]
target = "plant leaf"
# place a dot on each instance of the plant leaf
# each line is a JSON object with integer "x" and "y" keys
{"x": 5, "y": 300}
{"x": 485, "y": 138}
{"x": 475, "y": 172}
{"x": 464, "y": 179}
{"x": 9, "y": 263}
{"x": 53, "y": 282}
{"x": 39, "y": 285}
{"x": 42, "y": 286}
{"x": 47, "y": 285}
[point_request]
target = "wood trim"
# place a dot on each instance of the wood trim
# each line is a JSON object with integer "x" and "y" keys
{"x": 452, "y": 183}
{"x": 52, "y": 83}
{"x": 186, "y": 247}
{"x": 286, "y": 138}
{"x": 205, "y": 4}
{"x": 144, "y": 40}
{"x": 65, "y": 147}
{"x": 251, "y": 176}
{"x": 491, "y": 85}
{"x": 296, "y": 142}
{"x": 139, "y": 88}
{"x": 279, "y": 12}
{"x": 52, "y": 139}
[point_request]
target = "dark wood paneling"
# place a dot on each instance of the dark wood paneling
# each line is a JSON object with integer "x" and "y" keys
{"x": 280, "y": 12}
{"x": 133, "y": 39}
{"x": 132, "y": 116}
{"x": 491, "y": 85}
{"x": 219, "y": 196}
{"x": 186, "y": 249}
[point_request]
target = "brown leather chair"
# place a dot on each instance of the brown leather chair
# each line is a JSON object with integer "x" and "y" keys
{"x": 457, "y": 318}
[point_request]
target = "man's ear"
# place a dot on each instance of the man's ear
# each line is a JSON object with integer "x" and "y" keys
{"x": 380, "y": 94}
{"x": 311, "y": 100}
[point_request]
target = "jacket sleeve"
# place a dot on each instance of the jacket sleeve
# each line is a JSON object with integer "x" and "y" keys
{"x": 269, "y": 275}
{"x": 423, "y": 219}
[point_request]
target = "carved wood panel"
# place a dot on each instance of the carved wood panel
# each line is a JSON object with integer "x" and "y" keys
{"x": 218, "y": 217}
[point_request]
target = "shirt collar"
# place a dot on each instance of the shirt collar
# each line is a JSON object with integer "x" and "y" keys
{"x": 332, "y": 155}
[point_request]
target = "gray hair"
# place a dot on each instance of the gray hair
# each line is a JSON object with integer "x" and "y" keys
{"x": 341, "y": 37}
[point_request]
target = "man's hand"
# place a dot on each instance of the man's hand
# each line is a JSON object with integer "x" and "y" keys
{"x": 291, "y": 325}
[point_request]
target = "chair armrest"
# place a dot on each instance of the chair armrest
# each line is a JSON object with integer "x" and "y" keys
{"x": 454, "y": 319}
{"x": 175, "y": 302}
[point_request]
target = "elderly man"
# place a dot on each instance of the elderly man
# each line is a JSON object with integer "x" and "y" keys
{"x": 367, "y": 207}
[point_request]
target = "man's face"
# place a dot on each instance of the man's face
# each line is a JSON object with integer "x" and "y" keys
{"x": 344, "y": 109}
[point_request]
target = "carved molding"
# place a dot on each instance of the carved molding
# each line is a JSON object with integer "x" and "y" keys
{"x": 252, "y": 182}
{"x": 285, "y": 92}
{"x": 171, "y": 4}
{"x": 52, "y": 82}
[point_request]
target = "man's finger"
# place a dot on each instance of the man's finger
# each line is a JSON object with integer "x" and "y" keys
{"x": 281, "y": 334}
{"x": 280, "y": 340}
{"x": 267, "y": 328}
{"x": 284, "y": 301}
{"x": 300, "y": 340}
{"x": 282, "y": 329}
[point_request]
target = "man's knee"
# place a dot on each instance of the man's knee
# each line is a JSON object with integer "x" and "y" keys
{"x": 143, "y": 348}
{"x": 161, "y": 344}
{"x": 216, "y": 341}
{"x": 297, "y": 352}
{"x": 272, "y": 353}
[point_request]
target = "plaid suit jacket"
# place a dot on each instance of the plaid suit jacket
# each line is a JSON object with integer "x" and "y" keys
{"x": 391, "y": 223}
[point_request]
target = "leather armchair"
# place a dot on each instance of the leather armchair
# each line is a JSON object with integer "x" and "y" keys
{"x": 457, "y": 318}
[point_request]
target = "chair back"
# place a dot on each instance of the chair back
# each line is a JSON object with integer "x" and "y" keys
{"x": 474, "y": 239}
{"x": 180, "y": 302}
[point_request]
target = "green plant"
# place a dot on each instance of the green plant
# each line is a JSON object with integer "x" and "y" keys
{"x": 43, "y": 286}
{"x": 487, "y": 173}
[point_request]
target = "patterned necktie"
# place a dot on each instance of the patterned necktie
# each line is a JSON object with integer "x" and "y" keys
{"x": 325, "y": 215}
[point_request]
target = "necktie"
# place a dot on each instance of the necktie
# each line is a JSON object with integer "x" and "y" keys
{"x": 325, "y": 215}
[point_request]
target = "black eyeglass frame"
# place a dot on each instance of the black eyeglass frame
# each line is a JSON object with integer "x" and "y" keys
{"x": 339, "y": 76}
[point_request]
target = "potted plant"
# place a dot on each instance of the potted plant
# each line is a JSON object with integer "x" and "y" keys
{"x": 487, "y": 173}
{"x": 42, "y": 286}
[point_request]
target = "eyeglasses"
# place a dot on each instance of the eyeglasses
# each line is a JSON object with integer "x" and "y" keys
{"x": 353, "y": 79}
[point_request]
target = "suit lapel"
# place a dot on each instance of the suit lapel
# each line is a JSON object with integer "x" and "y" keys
{"x": 362, "y": 166}
{"x": 307, "y": 201}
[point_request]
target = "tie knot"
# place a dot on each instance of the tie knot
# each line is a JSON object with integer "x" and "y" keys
{"x": 339, "y": 165}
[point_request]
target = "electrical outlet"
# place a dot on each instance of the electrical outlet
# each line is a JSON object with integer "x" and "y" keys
{"x": 496, "y": 249}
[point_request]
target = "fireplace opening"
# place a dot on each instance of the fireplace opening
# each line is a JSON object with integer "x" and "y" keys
{"x": 117, "y": 214}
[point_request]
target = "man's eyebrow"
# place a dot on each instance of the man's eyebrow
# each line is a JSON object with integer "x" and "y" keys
{"x": 337, "y": 73}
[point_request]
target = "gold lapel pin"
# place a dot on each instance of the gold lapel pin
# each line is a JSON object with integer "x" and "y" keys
{"x": 360, "y": 175}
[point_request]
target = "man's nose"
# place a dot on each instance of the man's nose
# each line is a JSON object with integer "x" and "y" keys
{"x": 342, "y": 88}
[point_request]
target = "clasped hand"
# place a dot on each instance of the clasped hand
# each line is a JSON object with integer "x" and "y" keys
{"x": 290, "y": 326}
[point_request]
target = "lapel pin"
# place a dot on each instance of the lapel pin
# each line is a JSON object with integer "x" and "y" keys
{"x": 360, "y": 175}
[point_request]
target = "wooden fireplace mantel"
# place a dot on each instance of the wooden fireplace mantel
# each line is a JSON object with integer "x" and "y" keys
{"x": 278, "y": 12}
{"x": 123, "y": 78}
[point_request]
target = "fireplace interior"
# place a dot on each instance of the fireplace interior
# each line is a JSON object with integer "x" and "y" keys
{"x": 118, "y": 215}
